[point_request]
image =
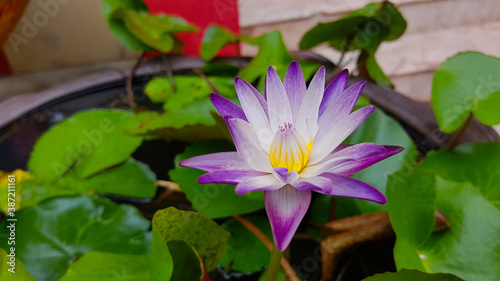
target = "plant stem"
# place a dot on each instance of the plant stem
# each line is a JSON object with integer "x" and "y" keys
{"x": 274, "y": 264}
{"x": 287, "y": 268}
{"x": 169, "y": 72}
{"x": 130, "y": 79}
{"x": 453, "y": 142}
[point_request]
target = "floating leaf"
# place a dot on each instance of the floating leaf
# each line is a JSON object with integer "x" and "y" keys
{"x": 411, "y": 196}
{"x": 465, "y": 84}
{"x": 246, "y": 251}
{"x": 102, "y": 266}
{"x": 187, "y": 263}
{"x": 476, "y": 163}
{"x": 12, "y": 270}
{"x": 189, "y": 111}
{"x": 87, "y": 143}
{"x": 213, "y": 200}
{"x": 162, "y": 264}
{"x": 158, "y": 89}
{"x": 209, "y": 239}
{"x": 470, "y": 248}
{"x": 412, "y": 275}
{"x": 58, "y": 231}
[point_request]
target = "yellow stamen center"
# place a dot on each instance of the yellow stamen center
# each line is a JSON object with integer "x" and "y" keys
{"x": 288, "y": 149}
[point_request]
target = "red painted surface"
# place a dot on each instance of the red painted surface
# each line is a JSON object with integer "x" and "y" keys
{"x": 201, "y": 13}
{"x": 4, "y": 65}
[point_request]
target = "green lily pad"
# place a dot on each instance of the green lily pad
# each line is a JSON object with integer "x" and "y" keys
{"x": 189, "y": 113}
{"x": 470, "y": 248}
{"x": 411, "y": 199}
{"x": 102, "y": 266}
{"x": 175, "y": 260}
{"x": 187, "y": 263}
{"x": 465, "y": 84}
{"x": 58, "y": 231}
{"x": 87, "y": 143}
{"x": 213, "y": 200}
{"x": 139, "y": 183}
{"x": 244, "y": 249}
{"x": 412, "y": 275}
{"x": 476, "y": 163}
{"x": 12, "y": 270}
{"x": 209, "y": 239}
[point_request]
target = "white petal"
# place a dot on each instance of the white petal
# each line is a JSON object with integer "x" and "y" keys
{"x": 286, "y": 208}
{"x": 307, "y": 118}
{"x": 255, "y": 113}
{"x": 248, "y": 145}
{"x": 325, "y": 143}
{"x": 259, "y": 183}
{"x": 278, "y": 105}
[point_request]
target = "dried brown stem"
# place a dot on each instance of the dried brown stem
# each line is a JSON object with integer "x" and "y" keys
{"x": 204, "y": 76}
{"x": 130, "y": 79}
{"x": 285, "y": 265}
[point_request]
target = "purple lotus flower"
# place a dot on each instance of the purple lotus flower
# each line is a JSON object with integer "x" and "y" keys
{"x": 289, "y": 144}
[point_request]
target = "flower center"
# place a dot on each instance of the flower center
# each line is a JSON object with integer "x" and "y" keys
{"x": 288, "y": 149}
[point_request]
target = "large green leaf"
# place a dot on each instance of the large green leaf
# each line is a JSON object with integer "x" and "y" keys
{"x": 57, "y": 232}
{"x": 213, "y": 200}
{"x": 162, "y": 265}
{"x": 102, "y": 266}
{"x": 187, "y": 263}
{"x": 156, "y": 31}
{"x": 477, "y": 163}
{"x": 132, "y": 179}
{"x": 470, "y": 248}
{"x": 209, "y": 239}
{"x": 189, "y": 112}
{"x": 362, "y": 29}
{"x": 174, "y": 260}
{"x": 87, "y": 143}
{"x": 411, "y": 194}
{"x": 412, "y": 275}
{"x": 466, "y": 83}
{"x": 380, "y": 129}
{"x": 244, "y": 249}
{"x": 11, "y": 268}
{"x": 117, "y": 25}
